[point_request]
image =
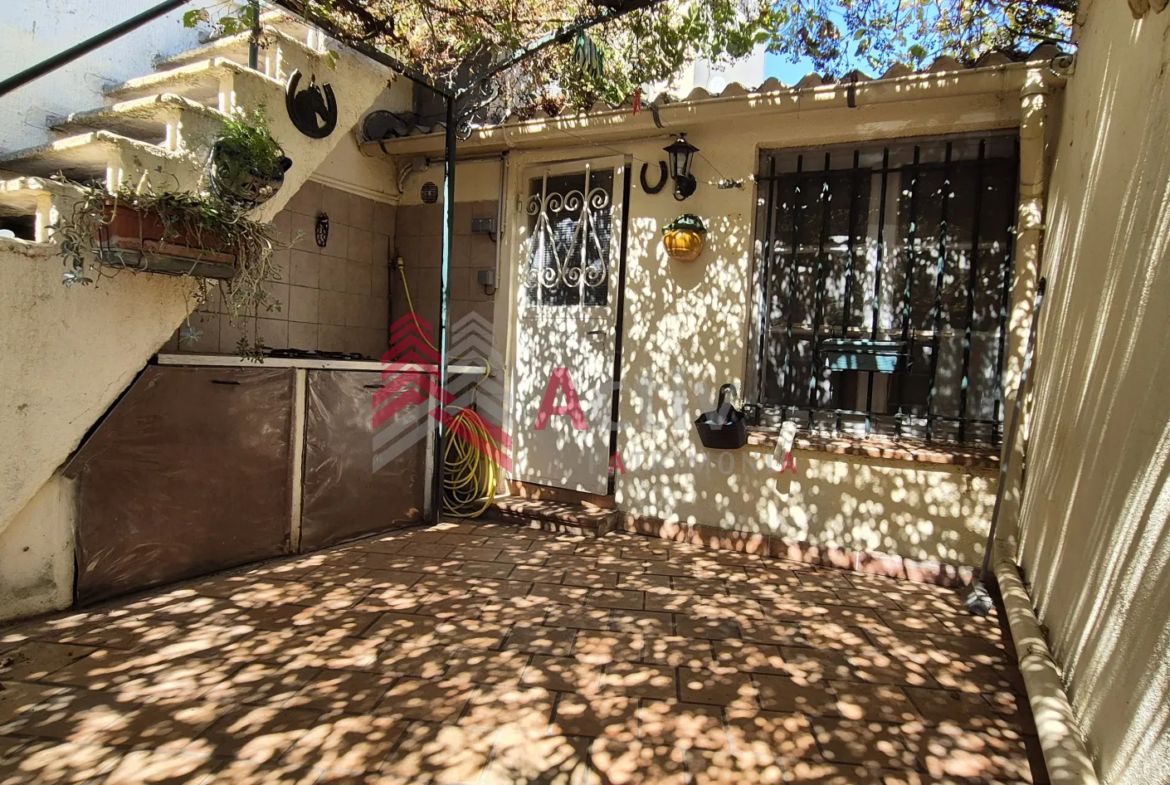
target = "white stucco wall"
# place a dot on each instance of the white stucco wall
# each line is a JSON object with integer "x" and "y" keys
{"x": 36, "y": 554}
{"x": 1095, "y": 536}
{"x": 33, "y": 32}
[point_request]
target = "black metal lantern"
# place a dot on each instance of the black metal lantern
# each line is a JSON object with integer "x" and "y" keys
{"x": 682, "y": 155}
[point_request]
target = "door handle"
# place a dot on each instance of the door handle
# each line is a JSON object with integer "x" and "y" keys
{"x": 596, "y": 332}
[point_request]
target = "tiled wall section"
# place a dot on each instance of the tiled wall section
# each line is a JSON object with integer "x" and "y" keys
{"x": 333, "y": 298}
{"x": 420, "y": 243}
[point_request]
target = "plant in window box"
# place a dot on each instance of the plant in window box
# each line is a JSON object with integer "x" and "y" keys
{"x": 193, "y": 235}
{"x": 684, "y": 238}
{"x": 849, "y": 354}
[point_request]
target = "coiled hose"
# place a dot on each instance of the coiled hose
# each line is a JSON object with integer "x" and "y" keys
{"x": 469, "y": 472}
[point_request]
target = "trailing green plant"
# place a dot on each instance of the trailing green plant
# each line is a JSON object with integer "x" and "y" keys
{"x": 204, "y": 221}
{"x": 247, "y": 165}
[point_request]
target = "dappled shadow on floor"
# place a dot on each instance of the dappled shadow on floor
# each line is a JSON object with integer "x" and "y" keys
{"x": 469, "y": 653}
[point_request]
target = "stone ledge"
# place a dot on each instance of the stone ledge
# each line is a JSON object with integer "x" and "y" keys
{"x": 888, "y": 449}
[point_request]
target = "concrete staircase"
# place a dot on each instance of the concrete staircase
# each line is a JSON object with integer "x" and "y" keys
{"x": 67, "y": 354}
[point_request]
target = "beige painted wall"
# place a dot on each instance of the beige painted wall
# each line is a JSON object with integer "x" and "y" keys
{"x": 36, "y": 553}
{"x": 1095, "y": 538}
{"x": 687, "y": 332}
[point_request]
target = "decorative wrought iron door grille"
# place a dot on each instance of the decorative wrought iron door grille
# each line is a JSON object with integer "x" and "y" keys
{"x": 883, "y": 287}
{"x": 570, "y": 223}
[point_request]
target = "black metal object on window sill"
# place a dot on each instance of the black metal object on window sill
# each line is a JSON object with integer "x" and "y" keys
{"x": 848, "y": 354}
{"x": 725, "y": 428}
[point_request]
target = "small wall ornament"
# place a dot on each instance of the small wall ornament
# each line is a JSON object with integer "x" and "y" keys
{"x": 313, "y": 110}
{"x": 684, "y": 238}
{"x": 322, "y": 230}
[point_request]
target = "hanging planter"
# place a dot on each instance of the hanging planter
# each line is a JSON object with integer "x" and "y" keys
{"x": 684, "y": 238}
{"x": 247, "y": 166}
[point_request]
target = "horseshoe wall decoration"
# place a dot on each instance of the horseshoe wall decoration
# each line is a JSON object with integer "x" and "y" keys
{"x": 663, "y": 177}
{"x": 312, "y": 110}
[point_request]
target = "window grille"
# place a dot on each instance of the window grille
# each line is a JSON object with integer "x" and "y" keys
{"x": 882, "y": 289}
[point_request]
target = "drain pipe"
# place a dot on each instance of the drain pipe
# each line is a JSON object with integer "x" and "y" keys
{"x": 445, "y": 308}
{"x": 1065, "y": 753}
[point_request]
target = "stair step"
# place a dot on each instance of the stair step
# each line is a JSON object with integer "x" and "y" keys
{"x": 27, "y": 205}
{"x": 198, "y": 82}
{"x": 551, "y": 515}
{"x": 144, "y": 119}
{"x": 87, "y": 157}
{"x": 277, "y": 59}
{"x": 292, "y": 26}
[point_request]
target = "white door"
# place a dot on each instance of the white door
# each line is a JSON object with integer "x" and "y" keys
{"x": 570, "y": 232}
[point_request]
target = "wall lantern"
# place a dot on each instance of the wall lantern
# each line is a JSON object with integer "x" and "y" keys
{"x": 682, "y": 154}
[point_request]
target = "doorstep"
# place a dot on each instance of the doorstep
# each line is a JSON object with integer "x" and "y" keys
{"x": 552, "y": 516}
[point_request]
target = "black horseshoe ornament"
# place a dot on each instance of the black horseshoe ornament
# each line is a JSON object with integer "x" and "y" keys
{"x": 664, "y": 175}
{"x": 312, "y": 110}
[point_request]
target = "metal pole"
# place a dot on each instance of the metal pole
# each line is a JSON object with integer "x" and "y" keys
{"x": 257, "y": 31}
{"x": 87, "y": 46}
{"x": 445, "y": 300}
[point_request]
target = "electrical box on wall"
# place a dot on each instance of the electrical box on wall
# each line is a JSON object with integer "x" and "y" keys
{"x": 483, "y": 225}
{"x": 485, "y": 277}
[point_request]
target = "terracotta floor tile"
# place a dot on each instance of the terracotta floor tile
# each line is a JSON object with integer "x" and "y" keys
{"x": 151, "y": 767}
{"x": 165, "y": 725}
{"x": 432, "y": 700}
{"x": 402, "y": 658}
{"x": 402, "y": 626}
{"x": 17, "y": 699}
{"x": 880, "y": 702}
{"x": 813, "y": 665}
{"x": 36, "y": 659}
{"x": 578, "y": 618}
{"x": 256, "y": 734}
{"x": 600, "y": 648}
{"x": 349, "y": 691}
{"x": 616, "y": 599}
{"x": 524, "y": 572}
{"x": 780, "y": 693}
{"x": 863, "y": 743}
{"x": 600, "y": 716}
{"x": 251, "y": 772}
{"x": 59, "y": 762}
{"x": 344, "y": 653}
{"x": 712, "y": 629}
{"x": 681, "y": 724}
{"x": 820, "y": 773}
{"x": 676, "y": 651}
{"x": 644, "y": 622}
{"x": 725, "y": 767}
{"x": 353, "y": 744}
{"x": 770, "y": 734}
{"x": 479, "y": 569}
{"x": 539, "y": 639}
{"x": 968, "y": 710}
{"x": 523, "y": 707}
{"x": 749, "y": 657}
{"x": 71, "y": 715}
{"x": 774, "y": 633}
{"x": 480, "y": 666}
{"x": 555, "y": 592}
{"x": 563, "y": 674}
{"x": 616, "y": 763}
{"x": 470, "y": 633}
{"x": 260, "y": 684}
{"x": 644, "y": 582}
{"x": 543, "y": 760}
{"x": 441, "y": 753}
{"x": 718, "y": 687}
{"x": 474, "y": 553}
{"x": 949, "y": 751}
{"x": 638, "y": 680}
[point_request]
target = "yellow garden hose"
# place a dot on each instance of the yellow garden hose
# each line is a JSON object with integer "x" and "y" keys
{"x": 469, "y": 472}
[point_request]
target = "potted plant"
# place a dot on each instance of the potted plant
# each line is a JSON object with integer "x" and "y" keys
{"x": 246, "y": 165}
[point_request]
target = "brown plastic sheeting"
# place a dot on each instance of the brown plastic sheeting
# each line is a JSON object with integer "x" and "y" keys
{"x": 189, "y": 474}
{"x": 344, "y": 497}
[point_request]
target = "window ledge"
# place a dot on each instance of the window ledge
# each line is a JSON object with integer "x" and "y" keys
{"x": 889, "y": 449}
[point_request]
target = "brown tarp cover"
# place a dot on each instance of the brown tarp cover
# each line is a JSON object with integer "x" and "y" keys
{"x": 188, "y": 474}
{"x": 344, "y": 497}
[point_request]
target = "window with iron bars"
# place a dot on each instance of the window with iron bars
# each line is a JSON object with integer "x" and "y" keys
{"x": 882, "y": 287}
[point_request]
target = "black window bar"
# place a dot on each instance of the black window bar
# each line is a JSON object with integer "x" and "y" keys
{"x": 885, "y": 287}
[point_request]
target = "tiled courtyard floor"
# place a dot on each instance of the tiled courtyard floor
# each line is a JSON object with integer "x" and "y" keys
{"x": 493, "y": 654}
